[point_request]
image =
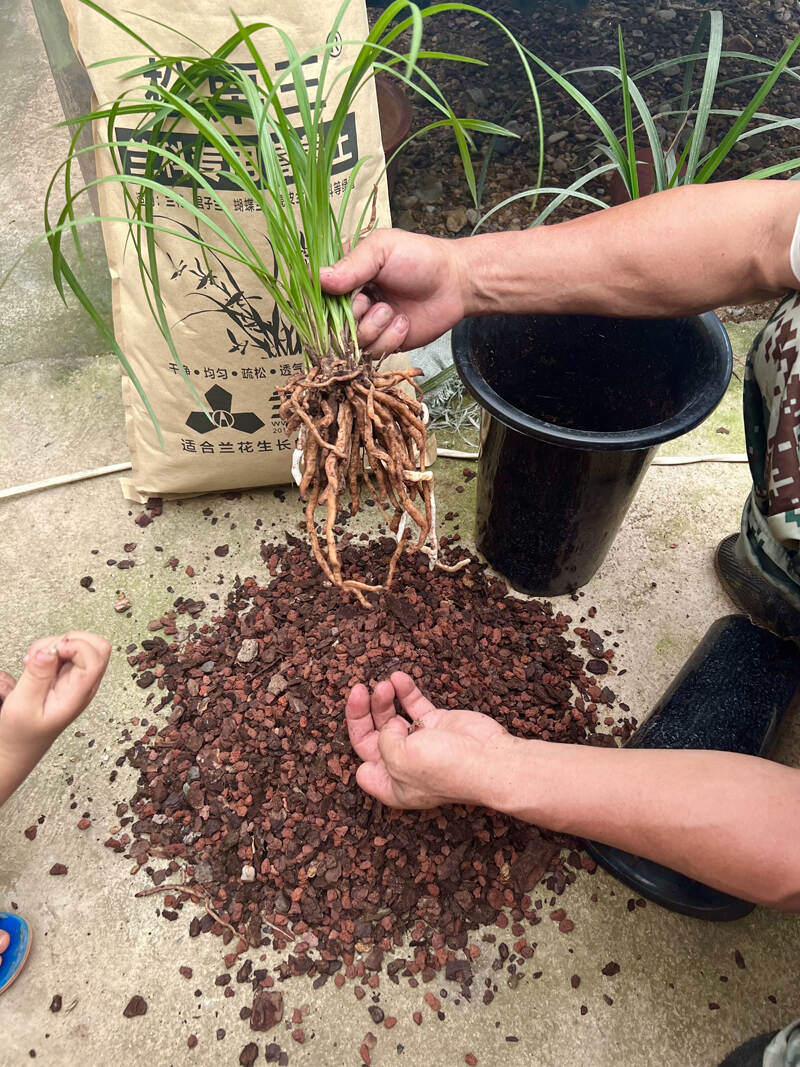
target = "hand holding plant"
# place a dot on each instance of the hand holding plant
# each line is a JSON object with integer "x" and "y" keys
{"x": 355, "y": 421}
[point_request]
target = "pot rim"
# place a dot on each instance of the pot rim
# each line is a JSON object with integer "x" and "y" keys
{"x": 690, "y": 415}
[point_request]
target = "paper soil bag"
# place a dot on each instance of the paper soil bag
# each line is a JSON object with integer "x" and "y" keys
{"x": 227, "y": 330}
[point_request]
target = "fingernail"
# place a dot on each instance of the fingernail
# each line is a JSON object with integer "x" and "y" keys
{"x": 382, "y": 316}
{"x": 45, "y": 656}
{"x": 26, "y": 657}
{"x": 326, "y": 272}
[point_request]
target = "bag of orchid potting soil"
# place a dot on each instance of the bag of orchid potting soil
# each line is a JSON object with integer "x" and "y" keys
{"x": 227, "y": 330}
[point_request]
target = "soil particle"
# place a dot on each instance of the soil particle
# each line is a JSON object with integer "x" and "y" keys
{"x": 55, "y": 1003}
{"x": 739, "y": 959}
{"x": 191, "y": 1041}
{"x": 59, "y": 868}
{"x": 221, "y": 550}
{"x": 136, "y": 1006}
{"x": 249, "y": 1055}
{"x": 31, "y": 832}
{"x": 267, "y": 1010}
{"x": 611, "y": 969}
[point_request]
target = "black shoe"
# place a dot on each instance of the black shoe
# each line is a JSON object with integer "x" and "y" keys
{"x": 729, "y": 696}
{"x": 753, "y": 594}
{"x": 751, "y": 1053}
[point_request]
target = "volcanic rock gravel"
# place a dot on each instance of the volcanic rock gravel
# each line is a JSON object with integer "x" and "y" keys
{"x": 249, "y": 794}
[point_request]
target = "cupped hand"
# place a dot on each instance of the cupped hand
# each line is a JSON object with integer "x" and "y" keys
{"x": 60, "y": 677}
{"x": 413, "y": 289}
{"x": 438, "y": 757}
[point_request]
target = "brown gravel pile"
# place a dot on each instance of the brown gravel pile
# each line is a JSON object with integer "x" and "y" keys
{"x": 249, "y": 791}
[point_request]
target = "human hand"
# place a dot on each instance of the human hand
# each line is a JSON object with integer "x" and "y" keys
{"x": 61, "y": 676}
{"x": 441, "y": 757}
{"x": 413, "y": 292}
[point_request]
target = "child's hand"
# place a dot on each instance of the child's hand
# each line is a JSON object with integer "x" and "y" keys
{"x": 60, "y": 677}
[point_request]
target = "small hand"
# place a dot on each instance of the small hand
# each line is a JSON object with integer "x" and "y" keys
{"x": 439, "y": 758}
{"x": 412, "y": 288}
{"x": 61, "y": 675}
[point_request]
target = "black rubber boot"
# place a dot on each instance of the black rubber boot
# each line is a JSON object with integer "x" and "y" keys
{"x": 754, "y": 594}
{"x": 751, "y": 1053}
{"x": 729, "y": 696}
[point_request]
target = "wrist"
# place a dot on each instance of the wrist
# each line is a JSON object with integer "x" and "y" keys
{"x": 509, "y": 780}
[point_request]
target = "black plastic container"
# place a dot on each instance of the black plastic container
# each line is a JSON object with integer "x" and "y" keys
{"x": 729, "y": 696}
{"x": 578, "y": 406}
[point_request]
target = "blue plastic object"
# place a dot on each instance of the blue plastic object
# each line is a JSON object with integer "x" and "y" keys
{"x": 17, "y": 952}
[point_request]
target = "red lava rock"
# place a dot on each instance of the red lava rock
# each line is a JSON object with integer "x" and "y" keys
{"x": 191, "y": 1041}
{"x": 389, "y": 1022}
{"x": 299, "y": 1036}
{"x": 30, "y": 832}
{"x": 471, "y": 1059}
{"x": 185, "y": 972}
{"x": 84, "y": 823}
{"x": 432, "y": 1001}
{"x": 417, "y": 1017}
{"x": 221, "y": 550}
{"x": 575, "y": 981}
{"x": 610, "y": 969}
{"x": 254, "y": 770}
{"x": 566, "y": 926}
{"x": 558, "y": 915}
{"x": 248, "y": 1055}
{"x": 267, "y": 1010}
{"x": 136, "y": 1006}
{"x": 59, "y": 868}
{"x": 364, "y": 1053}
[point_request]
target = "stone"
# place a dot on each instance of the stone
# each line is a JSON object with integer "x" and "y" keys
{"x": 248, "y": 650}
{"x": 456, "y": 220}
{"x": 431, "y": 194}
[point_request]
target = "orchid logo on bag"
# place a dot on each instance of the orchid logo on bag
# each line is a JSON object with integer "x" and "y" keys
{"x": 222, "y": 416}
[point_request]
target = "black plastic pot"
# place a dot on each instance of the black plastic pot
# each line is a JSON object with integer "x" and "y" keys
{"x": 729, "y": 696}
{"x": 578, "y": 406}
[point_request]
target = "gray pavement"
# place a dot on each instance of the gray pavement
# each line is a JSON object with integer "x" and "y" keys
{"x": 679, "y": 999}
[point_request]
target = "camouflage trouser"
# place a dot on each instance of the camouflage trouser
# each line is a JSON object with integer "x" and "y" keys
{"x": 784, "y": 1049}
{"x": 771, "y": 517}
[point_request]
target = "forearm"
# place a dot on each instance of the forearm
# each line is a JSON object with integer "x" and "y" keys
{"x": 680, "y": 252}
{"x": 16, "y": 763}
{"x": 727, "y": 820}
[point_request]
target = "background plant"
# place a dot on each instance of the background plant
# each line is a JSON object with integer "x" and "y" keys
{"x": 688, "y": 155}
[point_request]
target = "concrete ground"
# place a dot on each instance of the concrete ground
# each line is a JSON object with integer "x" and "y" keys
{"x": 679, "y": 999}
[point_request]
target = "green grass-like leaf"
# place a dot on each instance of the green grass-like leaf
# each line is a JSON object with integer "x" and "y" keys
{"x": 270, "y": 157}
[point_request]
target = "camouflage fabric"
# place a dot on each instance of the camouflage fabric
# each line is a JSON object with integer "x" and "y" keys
{"x": 771, "y": 517}
{"x": 784, "y": 1049}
